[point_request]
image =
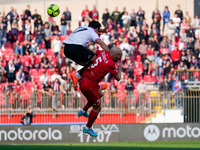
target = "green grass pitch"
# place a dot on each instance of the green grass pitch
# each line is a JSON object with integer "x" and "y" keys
{"x": 192, "y": 145}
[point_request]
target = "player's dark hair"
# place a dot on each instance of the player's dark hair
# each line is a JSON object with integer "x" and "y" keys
{"x": 95, "y": 24}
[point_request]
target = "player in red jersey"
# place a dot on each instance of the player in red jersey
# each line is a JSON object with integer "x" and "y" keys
{"x": 89, "y": 83}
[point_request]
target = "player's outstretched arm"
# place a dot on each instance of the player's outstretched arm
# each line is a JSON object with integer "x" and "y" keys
{"x": 105, "y": 29}
{"x": 118, "y": 76}
{"x": 102, "y": 44}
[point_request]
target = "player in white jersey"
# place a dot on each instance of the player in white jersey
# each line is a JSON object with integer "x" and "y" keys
{"x": 74, "y": 45}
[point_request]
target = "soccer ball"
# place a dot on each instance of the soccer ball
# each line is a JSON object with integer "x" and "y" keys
{"x": 53, "y": 10}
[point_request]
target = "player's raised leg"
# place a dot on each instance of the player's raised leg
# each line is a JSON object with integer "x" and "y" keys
{"x": 92, "y": 117}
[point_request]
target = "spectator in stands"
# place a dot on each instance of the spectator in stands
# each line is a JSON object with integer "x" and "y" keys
{"x": 38, "y": 21}
{"x": 26, "y": 48}
{"x": 156, "y": 14}
{"x": 184, "y": 27}
{"x": 187, "y": 17}
{"x": 142, "y": 48}
{"x": 164, "y": 88}
{"x": 125, "y": 47}
{"x": 11, "y": 15}
{"x": 3, "y": 37}
{"x": 122, "y": 13}
{"x": 27, "y": 30}
{"x": 54, "y": 28}
{"x": 68, "y": 17}
{"x": 85, "y": 12}
{"x": 27, "y": 118}
{"x": 2, "y": 70}
{"x": 146, "y": 65}
{"x": 171, "y": 30}
{"x": 196, "y": 22}
{"x": 63, "y": 25}
{"x": 175, "y": 54}
{"x": 47, "y": 35}
{"x": 179, "y": 12}
{"x": 182, "y": 66}
{"x": 20, "y": 76}
{"x": 10, "y": 71}
{"x": 39, "y": 36}
{"x": 129, "y": 93}
{"x": 166, "y": 17}
{"x": 16, "y": 16}
{"x": 116, "y": 16}
{"x": 197, "y": 49}
{"x": 46, "y": 89}
{"x": 154, "y": 31}
{"x": 35, "y": 17}
{"x": 129, "y": 66}
{"x": 177, "y": 87}
{"x": 159, "y": 65}
{"x": 189, "y": 34}
{"x": 190, "y": 45}
{"x": 177, "y": 22}
{"x": 17, "y": 48}
{"x": 126, "y": 21}
{"x": 143, "y": 34}
{"x": 17, "y": 62}
{"x": 7, "y": 90}
{"x": 24, "y": 17}
{"x": 167, "y": 69}
{"x": 133, "y": 22}
{"x": 194, "y": 62}
{"x": 105, "y": 16}
{"x": 33, "y": 62}
{"x": 45, "y": 62}
{"x": 113, "y": 91}
{"x": 16, "y": 88}
{"x": 14, "y": 32}
{"x": 57, "y": 89}
{"x": 181, "y": 44}
{"x": 150, "y": 54}
{"x": 105, "y": 38}
{"x": 165, "y": 42}
{"x": 28, "y": 12}
{"x": 142, "y": 89}
{"x": 55, "y": 75}
{"x": 56, "y": 45}
{"x": 132, "y": 36}
{"x": 60, "y": 61}
{"x": 94, "y": 13}
{"x": 4, "y": 20}
{"x": 141, "y": 16}
{"x": 164, "y": 50}
{"x": 44, "y": 78}
{"x": 34, "y": 46}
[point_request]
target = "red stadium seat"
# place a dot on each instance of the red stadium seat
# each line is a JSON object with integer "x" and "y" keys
{"x": 147, "y": 78}
{"x": 33, "y": 72}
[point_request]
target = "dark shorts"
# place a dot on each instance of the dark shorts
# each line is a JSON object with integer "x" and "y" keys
{"x": 78, "y": 53}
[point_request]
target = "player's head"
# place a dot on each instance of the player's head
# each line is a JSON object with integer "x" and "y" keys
{"x": 95, "y": 24}
{"x": 116, "y": 54}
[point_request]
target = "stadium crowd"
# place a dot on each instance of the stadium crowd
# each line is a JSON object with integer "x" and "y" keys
{"x": 35, "y": 61}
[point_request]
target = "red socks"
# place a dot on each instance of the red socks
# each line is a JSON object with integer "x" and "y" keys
{"x": 92, "y": 117}
{"x": 87, "y": 106}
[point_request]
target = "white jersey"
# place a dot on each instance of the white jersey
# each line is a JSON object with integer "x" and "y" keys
{"x": 82, "y": 36}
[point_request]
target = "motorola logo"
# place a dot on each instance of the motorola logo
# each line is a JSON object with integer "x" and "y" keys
{"x": 151, "y": 133}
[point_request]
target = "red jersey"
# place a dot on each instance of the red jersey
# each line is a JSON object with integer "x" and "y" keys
{"x": 102, "y": 65}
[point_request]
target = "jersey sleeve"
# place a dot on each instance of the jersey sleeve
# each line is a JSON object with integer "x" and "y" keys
{"x": 94, "y": 36}
{"x": 112, "y": 69}
{"x": 98, "y": 52}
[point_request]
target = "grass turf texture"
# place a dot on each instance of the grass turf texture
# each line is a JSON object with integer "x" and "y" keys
{"x": 192, "y": 145}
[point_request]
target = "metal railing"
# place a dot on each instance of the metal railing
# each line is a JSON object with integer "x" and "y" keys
{"x": 137, "y": 105}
